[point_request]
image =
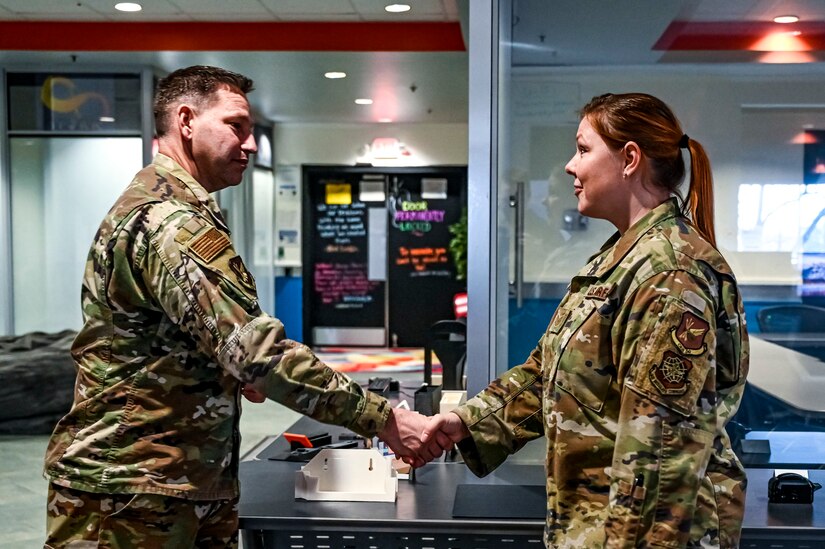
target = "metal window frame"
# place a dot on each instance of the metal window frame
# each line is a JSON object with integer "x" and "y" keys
{"x": 6, "y": 293}
{"x": 485, "y": 348}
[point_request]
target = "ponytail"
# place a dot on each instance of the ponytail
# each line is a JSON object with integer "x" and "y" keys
{"x": 698, "y": 206}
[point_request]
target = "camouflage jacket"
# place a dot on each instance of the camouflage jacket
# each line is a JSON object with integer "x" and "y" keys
{"x": 172, "y": 325}
{"x": 641, "y": 367}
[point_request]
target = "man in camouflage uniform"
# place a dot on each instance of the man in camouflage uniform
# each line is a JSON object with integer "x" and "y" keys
{"x": 148, "y": 454}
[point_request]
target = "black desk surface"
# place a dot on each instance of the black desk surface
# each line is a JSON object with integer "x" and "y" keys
{"x": 268, "y": 503}
{"x": 787, "y": 450}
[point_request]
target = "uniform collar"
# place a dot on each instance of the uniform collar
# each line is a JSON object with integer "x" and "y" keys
{"x": 196, "y": 195}
{"x": 618, "y": 245}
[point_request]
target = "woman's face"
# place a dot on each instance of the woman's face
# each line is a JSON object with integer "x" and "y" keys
{"x": 598, "y": 175}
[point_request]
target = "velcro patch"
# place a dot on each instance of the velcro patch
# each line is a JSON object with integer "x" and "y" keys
{"x": 670, "y": 375}
{"x": 674, "y": 359}
{"x": 558, "y": 320}
{"x": 600, "y": 291}
{"x": 208, "y": 245}
{"x": 240, "y": 270}
{"x": 689, "y": 335}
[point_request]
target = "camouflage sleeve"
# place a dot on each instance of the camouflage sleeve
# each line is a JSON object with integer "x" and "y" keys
{"x": 664, "y": 342}
{"x": 202, "y": 285}
{"x": 503, "y": 417}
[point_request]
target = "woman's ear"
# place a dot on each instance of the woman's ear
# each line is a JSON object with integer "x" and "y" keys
{"x": 632, "y": 158}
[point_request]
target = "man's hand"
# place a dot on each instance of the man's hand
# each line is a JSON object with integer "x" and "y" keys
{"x": 440, "y": 433}
{"x": 402, "y": 433}
{"x": 251, "y": 394}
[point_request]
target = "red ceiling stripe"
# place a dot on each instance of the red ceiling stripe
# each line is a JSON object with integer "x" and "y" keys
{"x": 209, "y": 36}
{"x": 734, "y": 35}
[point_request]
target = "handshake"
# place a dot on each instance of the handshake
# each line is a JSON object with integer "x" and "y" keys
{"x": 418, "y": 439}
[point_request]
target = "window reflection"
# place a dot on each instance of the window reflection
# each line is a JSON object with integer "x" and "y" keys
{"x": 760, "y": 123}
{"x": 781, "y": 218}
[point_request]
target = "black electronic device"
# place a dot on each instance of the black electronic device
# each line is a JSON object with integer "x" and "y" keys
{"x": 305, "y": 454}
{"x": 428, "y": 399}
{"x": 382, "y": 385}
{"x": 791, "y": 488}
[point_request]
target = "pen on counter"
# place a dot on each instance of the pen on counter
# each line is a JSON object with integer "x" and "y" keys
{"x": 638, "y": 482}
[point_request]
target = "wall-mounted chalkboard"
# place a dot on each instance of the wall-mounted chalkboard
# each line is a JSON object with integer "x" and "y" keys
{"x": 376, "y": 263}
{"x": 422, "y": 282}
{"x": 342, "y": 288}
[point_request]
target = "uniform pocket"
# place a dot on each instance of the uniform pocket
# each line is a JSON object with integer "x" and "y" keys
{"x": 585, "y": 367}
{"x": 622, "y": 526}
{"x": 685, "y": 455}
{"x": 674, "y": 362}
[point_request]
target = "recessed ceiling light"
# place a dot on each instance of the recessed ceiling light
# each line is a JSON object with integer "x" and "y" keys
{"x": 107, "y": 118}
{"x": 385, "y": 120}
{"x": 128, "y": 6}
{"x": 397, "y": 8}
{"x": 786, "y": 19}
{"x": 363, "y": 101}
{"x": 335, "y": 74}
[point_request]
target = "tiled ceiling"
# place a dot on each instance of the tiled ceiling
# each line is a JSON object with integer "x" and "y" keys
{"x": 227, "y": 10}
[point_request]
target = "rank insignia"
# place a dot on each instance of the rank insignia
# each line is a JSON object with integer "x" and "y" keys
{"x": 670, "y": 376}
{"x": 689, "y": 336}
{"x": 558, "y": 320}
{"x": 208, "y": 245}
{"x": 244, "y": 276}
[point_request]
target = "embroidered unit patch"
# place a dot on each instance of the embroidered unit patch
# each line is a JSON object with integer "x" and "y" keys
{"x": 208, "y": 245}
{"x": 689, "y": 336}
{"x": 240, "y": 270}
{"x": 670, "y": 376}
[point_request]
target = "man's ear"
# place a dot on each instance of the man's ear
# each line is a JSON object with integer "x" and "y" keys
{"x": 632, "y": 157}
{"x": 184, "y": 117}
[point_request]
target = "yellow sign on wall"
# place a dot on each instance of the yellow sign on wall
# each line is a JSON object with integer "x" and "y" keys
{"x": 338, "y": 193}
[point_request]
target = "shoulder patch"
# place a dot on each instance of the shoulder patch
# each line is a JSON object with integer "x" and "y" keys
{"x": 244, "y": 276}
{"x": 689, "y": 336}
{"x": 670, "y": 374}
{"x": 209, "y": 244}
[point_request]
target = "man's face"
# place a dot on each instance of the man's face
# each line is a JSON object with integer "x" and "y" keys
{"x": 222, "y": 140}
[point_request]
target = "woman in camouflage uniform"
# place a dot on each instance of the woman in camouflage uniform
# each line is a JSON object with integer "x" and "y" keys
{"x": 644, "y": 361}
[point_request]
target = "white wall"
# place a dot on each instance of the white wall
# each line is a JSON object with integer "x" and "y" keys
{"x": 430, "y": 144}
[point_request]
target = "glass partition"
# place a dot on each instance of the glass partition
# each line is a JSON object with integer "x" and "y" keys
{"x": 68, "y": 102}
{"x": 74, "y": 141}
{"x": 763, "y": 125}
{"x": 61, "y": 188}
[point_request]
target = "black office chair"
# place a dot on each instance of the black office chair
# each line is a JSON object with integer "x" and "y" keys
{"x": 791, "y": 318}
{"x": 448, "y": 340}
